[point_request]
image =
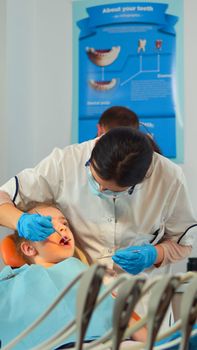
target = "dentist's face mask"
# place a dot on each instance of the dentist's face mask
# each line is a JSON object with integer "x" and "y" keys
{"x": 95, "y": 188}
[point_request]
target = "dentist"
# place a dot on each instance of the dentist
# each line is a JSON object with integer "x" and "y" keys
{"x": 125, "y": 203}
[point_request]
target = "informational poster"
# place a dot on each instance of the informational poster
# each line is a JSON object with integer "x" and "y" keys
{"x": 127, "y": 56}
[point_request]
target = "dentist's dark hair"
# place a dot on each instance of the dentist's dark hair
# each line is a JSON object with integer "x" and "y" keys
{"x": 123, "y": 155}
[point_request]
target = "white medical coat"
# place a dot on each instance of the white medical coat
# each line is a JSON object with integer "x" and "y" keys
{"x": 158, "y": 209}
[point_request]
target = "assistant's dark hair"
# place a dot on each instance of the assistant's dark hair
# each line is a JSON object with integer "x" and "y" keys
{"x": 122, "y": 155}
{"x": 119, "y": 116}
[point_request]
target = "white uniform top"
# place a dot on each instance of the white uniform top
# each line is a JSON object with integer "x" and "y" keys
{"x": 158, "y": 209}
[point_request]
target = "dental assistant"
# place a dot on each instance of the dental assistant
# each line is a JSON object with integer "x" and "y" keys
{"x": 116, "y": 193}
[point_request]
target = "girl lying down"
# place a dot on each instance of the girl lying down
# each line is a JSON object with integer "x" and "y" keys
{"x": 26, "y": 292}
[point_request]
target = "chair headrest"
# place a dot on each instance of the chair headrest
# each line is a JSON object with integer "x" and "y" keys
{"x": 11, "y": 257}
{"x": 9, "y": 253}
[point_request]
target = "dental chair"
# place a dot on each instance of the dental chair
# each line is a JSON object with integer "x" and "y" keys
{"x": 131, "y": 289}
{"x": 9, "y": 254}
{"x": 90, "y": 283}
{"x": 92, "y": 279}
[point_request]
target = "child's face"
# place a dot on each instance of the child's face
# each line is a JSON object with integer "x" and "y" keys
{"x": 52, "y": 250}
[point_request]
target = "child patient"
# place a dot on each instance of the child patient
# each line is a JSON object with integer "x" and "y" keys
{"x": 53, "y": 250}
{"x": 26, "y": 292}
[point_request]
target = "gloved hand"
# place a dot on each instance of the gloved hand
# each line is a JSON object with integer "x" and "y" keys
{"x": 35, "y": 227}
{"x": 135, "y": 259}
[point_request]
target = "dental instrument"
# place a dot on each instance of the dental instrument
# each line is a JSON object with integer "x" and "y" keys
{"x": 109, "y": 256}
{"x": 63, "y": 239}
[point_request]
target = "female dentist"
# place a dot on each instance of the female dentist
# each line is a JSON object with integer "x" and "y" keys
{"x": 125, "y": 203}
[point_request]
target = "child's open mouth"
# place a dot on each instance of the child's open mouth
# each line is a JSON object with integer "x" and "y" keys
{"x": 64, "y": 241}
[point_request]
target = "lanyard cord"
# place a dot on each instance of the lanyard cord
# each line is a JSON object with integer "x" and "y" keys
{"x": 16, "y": 191}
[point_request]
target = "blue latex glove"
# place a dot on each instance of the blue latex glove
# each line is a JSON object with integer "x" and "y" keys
{"x": 136, "y": 259}
{"x": 35, "y": 227}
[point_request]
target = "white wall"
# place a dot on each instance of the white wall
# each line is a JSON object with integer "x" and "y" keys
{"x": 36, "y": 84}
{"x": 37, "y": 81}
{"x": 2, "y": 87}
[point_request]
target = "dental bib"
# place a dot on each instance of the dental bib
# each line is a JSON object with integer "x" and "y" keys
{"x": 28, "y": 291}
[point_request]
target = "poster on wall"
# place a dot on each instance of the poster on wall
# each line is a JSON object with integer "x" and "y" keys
{"x": 127, "y": 56}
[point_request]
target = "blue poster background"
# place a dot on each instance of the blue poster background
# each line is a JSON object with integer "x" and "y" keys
{"x": 127, "y": 55}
